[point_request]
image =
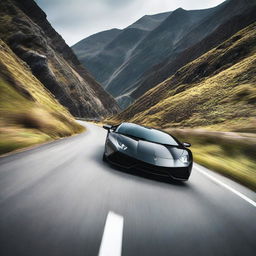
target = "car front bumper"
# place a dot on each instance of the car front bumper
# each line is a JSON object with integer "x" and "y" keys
{"x": 125, "y": 161}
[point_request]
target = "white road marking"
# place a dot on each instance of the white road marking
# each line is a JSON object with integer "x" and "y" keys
{"x": 247, "y": 199}
{"x": 111, "y": 243}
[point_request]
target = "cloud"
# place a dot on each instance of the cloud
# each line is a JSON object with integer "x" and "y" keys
{"x": 77, "y": 19}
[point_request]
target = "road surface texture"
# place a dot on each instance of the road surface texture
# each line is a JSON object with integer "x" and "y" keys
{"x": 62, "y": 199}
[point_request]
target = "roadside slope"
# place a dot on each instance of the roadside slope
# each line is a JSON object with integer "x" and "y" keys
{"x": 29, "y": 114}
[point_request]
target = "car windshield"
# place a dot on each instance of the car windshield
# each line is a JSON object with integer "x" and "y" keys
{"x": 147, "y": 134}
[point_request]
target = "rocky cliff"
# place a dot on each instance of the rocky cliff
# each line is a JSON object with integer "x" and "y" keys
{"x": 24, "y": 27}
{"x": 29, "y": 113}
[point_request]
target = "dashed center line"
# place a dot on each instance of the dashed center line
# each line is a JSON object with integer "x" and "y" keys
{"x": 111, "y": 243}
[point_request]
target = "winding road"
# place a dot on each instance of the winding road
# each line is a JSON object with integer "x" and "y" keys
{"x": 61, "y": 199}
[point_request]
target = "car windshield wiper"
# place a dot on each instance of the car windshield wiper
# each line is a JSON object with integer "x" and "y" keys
{"x": 171, "y": 145}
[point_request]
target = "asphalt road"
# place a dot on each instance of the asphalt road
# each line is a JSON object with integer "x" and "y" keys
{"x": 54, "y": 200}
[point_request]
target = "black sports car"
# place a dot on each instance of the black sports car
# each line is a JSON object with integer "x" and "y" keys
{"x": 149, "y": 150}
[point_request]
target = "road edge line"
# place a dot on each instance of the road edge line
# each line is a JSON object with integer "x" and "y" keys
{"x": 239, "y": 194}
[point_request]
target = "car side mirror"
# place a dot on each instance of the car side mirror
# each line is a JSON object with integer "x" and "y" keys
{"x": 107, "y": 127}
{"x": 186, "y": 144}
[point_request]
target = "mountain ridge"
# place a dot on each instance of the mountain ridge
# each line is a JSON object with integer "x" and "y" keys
{"x": 114, "y": 52}
{"x": 152, "y": 49}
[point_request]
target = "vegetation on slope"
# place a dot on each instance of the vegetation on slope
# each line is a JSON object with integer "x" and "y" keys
{"x": 167, "y": 68}
{"x": 231, "y": 154}
{"x": 29, "y": 114}
{"x": 216, "y": 92}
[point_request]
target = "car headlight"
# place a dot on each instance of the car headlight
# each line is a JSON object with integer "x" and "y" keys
{"x": 184, "y": 159}
{"x": 122, "y": 146}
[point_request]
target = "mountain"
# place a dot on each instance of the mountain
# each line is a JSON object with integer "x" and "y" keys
{"x": 29, "y": 112}
{"x": 162, "y": 71}
{"x": 25, "y": 29}
{"x": 150, "y": 22}
{"x": 167, "y": 46}
{"x": 93, "y": 45}
{"x": 216, "y": 90}
{"x": 105, "y": 62}
{"x": 195, "y": 33}
{"x": 154, "y": 48}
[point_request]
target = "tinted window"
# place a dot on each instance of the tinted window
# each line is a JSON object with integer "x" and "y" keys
{"x": 145, "y": 133}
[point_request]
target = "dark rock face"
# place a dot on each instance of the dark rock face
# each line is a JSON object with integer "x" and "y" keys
{"x": 158, "y": 44}
{"x": 118, "y": 48}
{"x": 92, "y": 45}
{"x": 25, "y": 29}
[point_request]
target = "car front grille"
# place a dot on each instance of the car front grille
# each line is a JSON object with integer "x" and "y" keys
{"x": 122, "y": 160}
{"x": 161, "y": 171}
{"x": 131, "y": 163}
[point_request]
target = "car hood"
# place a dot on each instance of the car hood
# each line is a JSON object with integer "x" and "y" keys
{"x": 149, "y": 152}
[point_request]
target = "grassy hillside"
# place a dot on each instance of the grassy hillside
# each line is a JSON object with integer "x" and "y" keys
{"x": 216, "y": 93}
{"x": 229, "y": 153}
{"x": 162, "y": 71}
{"x": 217, "y": 90}
{"x": 29, "y": 114}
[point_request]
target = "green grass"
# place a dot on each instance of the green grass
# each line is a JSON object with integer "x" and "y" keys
{"x": 15, "y": 138}
{"x": 29, "y": 114}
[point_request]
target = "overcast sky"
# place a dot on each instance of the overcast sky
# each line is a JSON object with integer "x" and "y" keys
{"x": 77, "y": 19}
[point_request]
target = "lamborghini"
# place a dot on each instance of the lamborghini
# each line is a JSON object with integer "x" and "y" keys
{"x": 145, "y": 149}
